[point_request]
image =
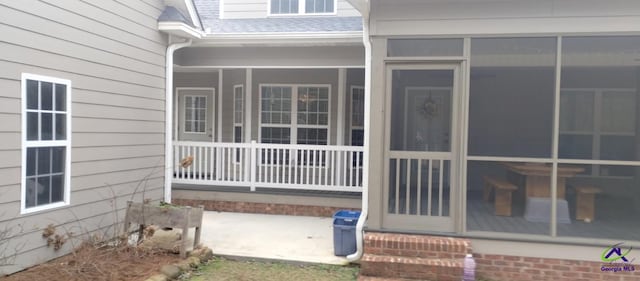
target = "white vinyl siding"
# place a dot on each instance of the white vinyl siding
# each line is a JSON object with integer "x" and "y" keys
{"x": 46, "y": 113}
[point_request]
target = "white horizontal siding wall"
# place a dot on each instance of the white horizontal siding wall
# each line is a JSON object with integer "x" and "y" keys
{"x": 471, "y": 17}
{"x": 113, "y": 55}
{"x": 245, "y": 9}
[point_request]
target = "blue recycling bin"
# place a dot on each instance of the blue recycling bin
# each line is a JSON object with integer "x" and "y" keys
{"x": 344, "y": 232}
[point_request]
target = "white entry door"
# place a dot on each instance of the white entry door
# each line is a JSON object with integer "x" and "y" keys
{"x": 422, "y": 147}
{"x": 195, "y": 120}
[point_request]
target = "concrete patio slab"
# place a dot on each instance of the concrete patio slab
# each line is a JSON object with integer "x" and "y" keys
{"x": 274, "y": 237}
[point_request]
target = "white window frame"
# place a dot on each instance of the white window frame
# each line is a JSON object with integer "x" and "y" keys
{"x": 351, "y": 99}
{"x": 184, "y": 115}
{"x": 238, "y": 123}
{"x": 293, "y": 126}
{"x": 45, "y": 143}
{"x": 302, "y": 9}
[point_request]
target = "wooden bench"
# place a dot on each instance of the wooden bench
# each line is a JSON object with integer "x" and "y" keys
{"x": 585, "y": 202}
{"x": 502, "y": 191}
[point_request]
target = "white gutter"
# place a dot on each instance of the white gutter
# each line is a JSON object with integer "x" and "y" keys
{"x": 367, "y": 125}
{"x": 168, "y": 118}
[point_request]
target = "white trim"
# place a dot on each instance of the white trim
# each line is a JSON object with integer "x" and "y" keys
{"x": 293, "y": 126}
{"x": 219, "y": 107}
{"x": 342, "y": 80}
{"x": 180, "y": 29}
{"x": 302, "y": 10}
{"x": 221, "y": 9}
{"x": 192, "y": 13}
{"x": 197, "y": 68}
{"x": 248, "y": 94}
{"x": 26, "y": 143}
{"x": 211, "y": 120}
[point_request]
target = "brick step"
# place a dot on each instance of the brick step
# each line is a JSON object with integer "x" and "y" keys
{"x": 411, "y": 268}
{"x": 420, "y": 246}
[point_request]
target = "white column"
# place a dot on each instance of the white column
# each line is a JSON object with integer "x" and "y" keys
{"x": 248, "y": 88}
{"x": 219, "y": 92}
{"x": 342, "y": 81}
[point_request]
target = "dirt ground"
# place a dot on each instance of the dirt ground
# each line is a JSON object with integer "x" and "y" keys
{"x": 121, "y": 263}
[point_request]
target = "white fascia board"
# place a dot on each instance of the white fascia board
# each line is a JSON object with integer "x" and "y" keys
{"x": 280, "y": 39}
{"x": 180, "y": 29}
{"x": 195, "y": 19}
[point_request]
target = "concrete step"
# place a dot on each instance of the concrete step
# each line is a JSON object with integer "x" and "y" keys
{"x": 411, "y": 267}
{"x": 420, "y": 246}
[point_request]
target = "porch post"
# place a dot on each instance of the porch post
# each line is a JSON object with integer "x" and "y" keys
{"x": 254, "y": 165}
{"x": 248, "y": 88}
{"x": 342, "y": 80}
{"x": 219, "y": 110}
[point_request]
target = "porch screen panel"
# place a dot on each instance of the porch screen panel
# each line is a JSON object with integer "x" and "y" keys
{"x": 511, "y": 100}
{"x": 599, "y": 101}
{"x": 511, "y": 115}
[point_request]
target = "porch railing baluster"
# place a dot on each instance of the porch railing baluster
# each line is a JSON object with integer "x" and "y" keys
{"x": 307, "y": 167}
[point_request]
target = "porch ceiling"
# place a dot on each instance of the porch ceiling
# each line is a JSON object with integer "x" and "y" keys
{"x": 293, "y": 57}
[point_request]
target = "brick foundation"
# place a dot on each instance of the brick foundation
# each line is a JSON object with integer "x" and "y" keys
{"x": 260, "y": 208}
{"x": 504, "y": 268}
{"x": 389, "y": 256}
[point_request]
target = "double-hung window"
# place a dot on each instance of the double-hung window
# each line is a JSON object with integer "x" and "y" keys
{"x": 294, "y": 114}
{"x": 238, "y": 112}
{"x": 46, "y": 133}
{"x": 357, "y": 116}
{"x": 302, "y": 7}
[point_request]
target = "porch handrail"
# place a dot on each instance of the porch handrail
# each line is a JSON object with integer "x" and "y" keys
{"x": 291, "y": 166}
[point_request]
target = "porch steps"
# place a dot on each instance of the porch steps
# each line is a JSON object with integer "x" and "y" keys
{"x": 392, "y": 256}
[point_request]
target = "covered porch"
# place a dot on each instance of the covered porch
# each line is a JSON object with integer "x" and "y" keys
{"x": 283, "y": 120}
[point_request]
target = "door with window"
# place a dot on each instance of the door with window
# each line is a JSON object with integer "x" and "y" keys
{"x": 422, "y": 147}
{"x": 195, "y": 114}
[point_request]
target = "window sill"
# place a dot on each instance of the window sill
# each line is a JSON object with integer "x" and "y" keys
{"x": 36, "y": 209}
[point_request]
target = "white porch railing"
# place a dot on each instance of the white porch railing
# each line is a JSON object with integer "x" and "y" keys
{"x": 305, "y": 167}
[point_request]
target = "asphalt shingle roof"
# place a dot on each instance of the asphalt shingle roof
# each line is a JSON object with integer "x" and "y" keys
{"x": 209, "y": 13}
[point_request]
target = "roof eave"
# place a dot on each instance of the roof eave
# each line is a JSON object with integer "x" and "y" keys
{"x": 282, "y": 39}
{"x": 180, "y": 29}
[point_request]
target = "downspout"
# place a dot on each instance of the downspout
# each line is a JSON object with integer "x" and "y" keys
{"x": 168, "y": 117}
{"x": 365, "y": 157}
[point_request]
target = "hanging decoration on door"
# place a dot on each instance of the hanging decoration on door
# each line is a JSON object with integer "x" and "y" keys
{"x": 429, "y": 109}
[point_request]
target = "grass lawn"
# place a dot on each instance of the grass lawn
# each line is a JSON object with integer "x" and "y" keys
{"x": 222, "y": 269}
